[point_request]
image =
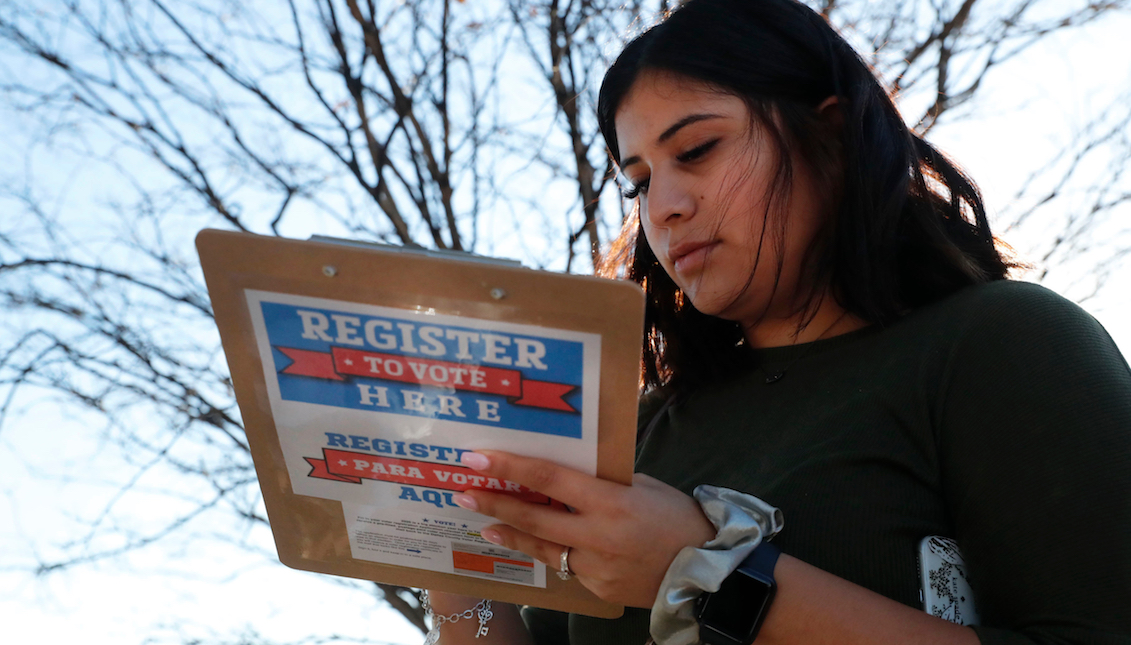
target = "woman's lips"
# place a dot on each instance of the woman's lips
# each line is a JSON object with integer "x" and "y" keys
{"x": 692, "y": 258}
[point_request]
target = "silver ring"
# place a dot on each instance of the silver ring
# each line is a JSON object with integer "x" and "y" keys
{"x": 565, "y": 573}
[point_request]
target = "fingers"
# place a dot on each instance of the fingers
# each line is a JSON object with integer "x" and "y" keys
{"x": 540, "y": 520}
{"x": 544, "y": 551}
{"x": 590, "y": 568}
{"x": 566, "y": 485}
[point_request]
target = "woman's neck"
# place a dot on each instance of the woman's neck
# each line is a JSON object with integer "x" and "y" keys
{"x": 830, "y": 320}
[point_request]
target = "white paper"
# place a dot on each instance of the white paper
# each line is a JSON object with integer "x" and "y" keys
{"x": 374, "y": 405}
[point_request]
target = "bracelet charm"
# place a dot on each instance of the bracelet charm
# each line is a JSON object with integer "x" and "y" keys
{"x": 485, "y": 614}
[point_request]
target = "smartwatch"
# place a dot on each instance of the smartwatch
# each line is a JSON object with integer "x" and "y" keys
{"x": 734, "y": 614}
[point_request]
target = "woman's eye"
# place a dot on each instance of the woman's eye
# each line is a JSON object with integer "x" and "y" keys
{"x": 635, "y": 190}
{"x": 697, "y": 151}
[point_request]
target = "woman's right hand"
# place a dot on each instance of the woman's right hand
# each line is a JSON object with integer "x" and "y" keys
{"x": 504, "y": 628}
{"x": 622, "y": 538}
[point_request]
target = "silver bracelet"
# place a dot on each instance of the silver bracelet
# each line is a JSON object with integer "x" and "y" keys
{"x": 482, "y": 611}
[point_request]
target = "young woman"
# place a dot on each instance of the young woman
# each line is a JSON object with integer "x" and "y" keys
{"x": 829, "y": 329}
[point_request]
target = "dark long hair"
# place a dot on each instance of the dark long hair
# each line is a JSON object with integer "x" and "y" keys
{"x": 908, "y": 228}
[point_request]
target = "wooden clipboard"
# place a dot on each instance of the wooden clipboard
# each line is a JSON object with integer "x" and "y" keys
{"x": 244, "y": 271}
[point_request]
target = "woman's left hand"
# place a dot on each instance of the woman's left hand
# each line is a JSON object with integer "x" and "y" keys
{"x": 624, "y": 538}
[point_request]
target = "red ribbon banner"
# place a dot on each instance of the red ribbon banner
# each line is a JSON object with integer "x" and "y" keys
{"x": 353, "y": 467}
{"x": 342, "y": 361}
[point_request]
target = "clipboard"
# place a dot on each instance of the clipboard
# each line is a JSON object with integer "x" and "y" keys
{"x": 362, "y": 371}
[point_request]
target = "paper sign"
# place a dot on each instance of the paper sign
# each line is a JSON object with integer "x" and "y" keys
{"x": 374, "y": 405}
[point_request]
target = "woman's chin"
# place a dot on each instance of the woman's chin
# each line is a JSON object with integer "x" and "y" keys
{"x": 720, "y": 305}
{"x": 718, "y": 310}
{"x": 703, "y": 303}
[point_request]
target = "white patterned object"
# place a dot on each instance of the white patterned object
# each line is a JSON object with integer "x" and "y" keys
{"x": 945, "y": 581}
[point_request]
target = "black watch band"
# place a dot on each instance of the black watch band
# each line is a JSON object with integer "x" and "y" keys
{"x": 734, "y": 614}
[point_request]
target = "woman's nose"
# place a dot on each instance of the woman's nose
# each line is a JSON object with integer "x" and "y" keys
{"x": 670, "y": 201}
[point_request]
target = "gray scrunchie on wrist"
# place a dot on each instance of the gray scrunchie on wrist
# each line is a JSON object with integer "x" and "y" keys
{"x": 743, "y": 521}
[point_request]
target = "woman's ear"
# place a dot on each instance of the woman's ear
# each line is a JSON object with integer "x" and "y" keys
{"x": 829, "y": 112}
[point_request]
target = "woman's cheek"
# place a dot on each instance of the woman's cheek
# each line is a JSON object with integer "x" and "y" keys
{"x": 652, "y": 236}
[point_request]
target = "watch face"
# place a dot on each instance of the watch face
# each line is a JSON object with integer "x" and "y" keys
{"x": 735, "y": 608}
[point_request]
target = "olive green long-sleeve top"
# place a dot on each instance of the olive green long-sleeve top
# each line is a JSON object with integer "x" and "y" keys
{"x": 1000, "y": 416}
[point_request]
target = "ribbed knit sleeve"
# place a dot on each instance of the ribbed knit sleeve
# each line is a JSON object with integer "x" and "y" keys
{"x": 1034, "y": 436}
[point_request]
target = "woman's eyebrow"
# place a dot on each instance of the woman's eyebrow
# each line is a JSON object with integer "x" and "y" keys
{"x": 670, "y": 132}
{"x": 684, "y": 122}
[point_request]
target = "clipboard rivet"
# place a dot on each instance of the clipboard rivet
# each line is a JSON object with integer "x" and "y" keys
{"x": 498, "y": 294}
{"x": 329, "y": 270}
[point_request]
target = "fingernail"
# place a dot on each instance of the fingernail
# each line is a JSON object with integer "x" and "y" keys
{"x": 466, "y": 501}
{"x": 474, "y": 460}
{"x": 492, "y": 536}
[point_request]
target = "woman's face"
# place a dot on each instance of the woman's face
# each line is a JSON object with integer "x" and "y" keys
{"x": 704, "y": 169}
